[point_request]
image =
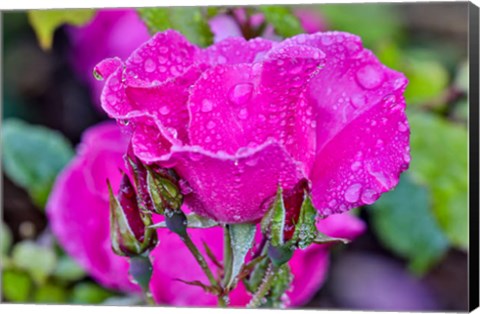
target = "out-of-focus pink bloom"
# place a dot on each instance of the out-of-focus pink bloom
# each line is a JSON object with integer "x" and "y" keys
{"x": 78, "y": 212}
{"x": 110, "y": 32}
{"x": 78, "y": 206}
{"x": 311, "y": 20}
{"x": 239, "y": 118}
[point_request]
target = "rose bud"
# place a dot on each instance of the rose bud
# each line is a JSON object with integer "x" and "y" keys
{"x": 164, "y": 190}
{"x": 129, "y": 234}
{"x": 139, "y": 172}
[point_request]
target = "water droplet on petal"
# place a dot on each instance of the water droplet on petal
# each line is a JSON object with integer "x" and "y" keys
{"x": 369, "y": 196}
{"x": 358, "y": 100}
{"x": 207, "y": 105}
{"x": 356, "y": 165}
{"x": 402, "y": 127}
{"x": 149, "y": 65}
{"x": 211, "y": 125}
{"x": 370, "y": 76}
{"x": 243, "y": 114}
{"x": 164, "y": 110}
{"x": 352, "y": 193}
{"x": 240, "y": 93}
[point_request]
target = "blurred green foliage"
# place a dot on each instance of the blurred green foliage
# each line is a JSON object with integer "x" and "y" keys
{"x": 45, "y": 22}
{"x": 439, "y": 151}
{"x": 190, "y": 21}
{"x": 33, "y": 156}
{"x": 285, "y": 23}
{"x": 405, "y": 224}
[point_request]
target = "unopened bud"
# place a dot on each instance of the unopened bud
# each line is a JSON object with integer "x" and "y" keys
{"x": 139, "y": 172}
{"x": 129, "y": 235}
{"x": 164, "y": 190}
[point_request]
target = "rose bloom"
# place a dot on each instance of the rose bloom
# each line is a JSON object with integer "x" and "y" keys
{"x": 78, "y": 212}
{"x": 240, "y": 118}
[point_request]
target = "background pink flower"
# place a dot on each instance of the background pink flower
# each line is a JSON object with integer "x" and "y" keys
{"x": 78, "y": 212}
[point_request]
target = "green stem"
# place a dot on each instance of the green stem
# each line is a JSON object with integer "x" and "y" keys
{"x": 264, "y": 288}
{"x": 203, "y": 264}
{"x": 200, "y": 259}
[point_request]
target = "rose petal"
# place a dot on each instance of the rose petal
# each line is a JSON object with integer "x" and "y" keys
{"x": 235, "y": 106}
{"x": 165, "y": 55}
{"x": 220, "y": 182}
{"x": 234, "y": 50}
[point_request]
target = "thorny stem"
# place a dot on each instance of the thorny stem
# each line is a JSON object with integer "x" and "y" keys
{"x": 267, "y": 282}
{"x": 203, "y": 264}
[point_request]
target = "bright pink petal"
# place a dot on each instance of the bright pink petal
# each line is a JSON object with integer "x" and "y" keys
{"x": 166, "y": 55}
{"x": 362, "y": 132}
{"x": 235, "y": 50}
{"x": 221, "y": 183}
{"x": 236, "y": 106}
{"x": 78, "y": 209}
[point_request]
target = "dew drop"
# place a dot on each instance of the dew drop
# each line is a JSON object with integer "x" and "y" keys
{"x": 149, "y": 66}
{"x": 369, "y": 196}
{"x": 164, "y": 110}
{"x": 358, "y": 100}
{"x": 402, "y": 127}
{"x": 370, "y": 76}
{"x": 207, "y": 105}
{"x": 240, "y": 93}
{"x": 356, "y": 165}
{"x": 243, "y": 114}
{"x": 211, "y": 125}
{"x": 353, "y": 193}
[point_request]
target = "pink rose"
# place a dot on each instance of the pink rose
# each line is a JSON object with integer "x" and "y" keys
{"x": 78, "y": 212}
{"x": 239, "y": 118}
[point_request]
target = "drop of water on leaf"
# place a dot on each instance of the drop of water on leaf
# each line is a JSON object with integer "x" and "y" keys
{"x": 370, "y": 76}
{"x": 353, "y": 193}
{"x": 240, "y": 93}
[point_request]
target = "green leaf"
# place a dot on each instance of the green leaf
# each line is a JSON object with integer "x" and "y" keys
{"x": 16, "y": 285}
{"x": 286, "y": 24}
{"x": 404, "y": 223}
{"x": 427, "y": 77}
{"x": 274, "y": 220}
{"x": 68, "y": 269}
{"x": 193, "y": 221}
{"x": 38, "y": 261}
{"x": 305, "y": 229}
{"x": 322, "y": 238}
{"x": 439, "y": 151}
{"x": 5, "y": 238}
{"x": 33, "y": 156}
{"x": 45, "y": 22}
{"x": 241, "y": 241}
{"x": 190, "y": 21}
{"x": 50, "y": 293}
{"x": 89, "y": 293}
